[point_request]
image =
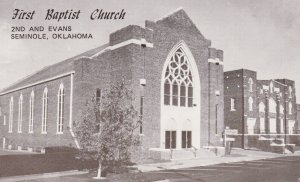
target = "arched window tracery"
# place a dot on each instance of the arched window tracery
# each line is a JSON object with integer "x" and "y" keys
{"x": 178, "y": 81}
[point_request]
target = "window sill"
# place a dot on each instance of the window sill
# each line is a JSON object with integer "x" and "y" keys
{"x": 141, "y": 134}
{"x": 233, "y": 110}
{"x": 44, "y": 133}
{"x": 31, "y": 132}
{"x": 59, "y": 133}
{"x": 19, "y": 131}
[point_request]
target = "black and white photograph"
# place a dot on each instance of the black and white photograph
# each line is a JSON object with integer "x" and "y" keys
{"x": 150, "y": 91}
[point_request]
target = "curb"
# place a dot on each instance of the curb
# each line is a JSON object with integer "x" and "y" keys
{"x": 39, "y": 176}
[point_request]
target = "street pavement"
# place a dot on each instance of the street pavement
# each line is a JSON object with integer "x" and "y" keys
{"x": 242, "y": 165}
{"x": 284, "y": 169}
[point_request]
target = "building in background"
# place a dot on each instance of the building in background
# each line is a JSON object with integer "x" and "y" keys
{"x": 175, "y": 74}
{"x": 298, "y": 115}
{"x": 259, "y": 108}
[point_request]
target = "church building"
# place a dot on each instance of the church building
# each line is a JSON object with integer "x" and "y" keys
{"x": 175, "y": 74}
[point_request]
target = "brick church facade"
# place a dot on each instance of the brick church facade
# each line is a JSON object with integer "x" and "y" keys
{"x": 259, "y": 107}
{"x": 175, "y": 74}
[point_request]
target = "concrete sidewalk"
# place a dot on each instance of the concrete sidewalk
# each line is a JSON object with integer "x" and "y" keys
{"x": 237, "y": 155}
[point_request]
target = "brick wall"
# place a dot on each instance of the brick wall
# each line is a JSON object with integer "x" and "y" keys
{"x": 37, "y": 139}
{"x": 261, "y": 94}
{"x": 233, "y": 88}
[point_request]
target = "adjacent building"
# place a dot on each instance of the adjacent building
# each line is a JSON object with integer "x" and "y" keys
{"x": 298, "y": 115}
{"x": 259, "y": 107}
{"x": 175, "y": 74}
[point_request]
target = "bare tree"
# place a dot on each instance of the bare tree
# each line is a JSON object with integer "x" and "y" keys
{"x": 107, "y": 132}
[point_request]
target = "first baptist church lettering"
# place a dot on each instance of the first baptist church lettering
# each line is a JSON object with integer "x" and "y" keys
{"x": 175, "y": 74}
{"x": 71, "y": 14}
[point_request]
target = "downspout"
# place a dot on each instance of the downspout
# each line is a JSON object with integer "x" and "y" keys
{"x": 243, "y": 112}
{"x": 208, "y": 104}
{"x": 285, "y": 131}
{"x": 71, "y": 112}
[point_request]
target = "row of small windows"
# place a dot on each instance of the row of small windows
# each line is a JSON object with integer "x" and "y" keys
{"x": 272, "y": 106}
{"x": 275, "y": 89}
{"x": 271, "y": 87}
{"x": 60, "y": 112}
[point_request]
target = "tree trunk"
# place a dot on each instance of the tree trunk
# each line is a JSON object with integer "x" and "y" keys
{"x": 99, "y": 171}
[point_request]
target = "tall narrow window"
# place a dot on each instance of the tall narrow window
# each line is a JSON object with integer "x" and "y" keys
{"x": 290, "y": 108}
{"x": 250, "y": 102}
{"x": 232, "y": 104}
{"x": 141, "y": 114}
{"x": 98, "y": 95}
{"x": 167, "y": 93}
{"x": 186, "y": 139}
{"x": 182, "y": 95}
{"x": 11, "y": 111}
{"x": 98, "y": 102}
{"x": 271, "y": 87}
{"x": 261, "y": 107}
{"x": 281, "y": 109}
{"x": 178, "y": 83}
{"x": 4, "y": 119}
{"x": 250, "y": 82}
{"x": 262, "y": 125}
{"x": 290, "y": 91}
{"x": 20, "y": 116}
{"x": 272, "y": 105}
{"x": 31, "y": 107}
{"x": 170, "y": 139}
{"x": 60, "y": 110}
{"x": 45, "y": 111}
{"x": 175, "y": 94}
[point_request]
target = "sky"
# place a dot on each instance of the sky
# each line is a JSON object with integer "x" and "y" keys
{"x": 260, "y": 35}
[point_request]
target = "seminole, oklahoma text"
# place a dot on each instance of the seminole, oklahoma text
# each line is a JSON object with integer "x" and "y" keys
{"x": 42, "y": 32}
{"x": 51, "y": 14}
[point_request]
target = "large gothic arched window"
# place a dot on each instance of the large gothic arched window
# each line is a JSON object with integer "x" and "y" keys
{"x": 178, "y": 81}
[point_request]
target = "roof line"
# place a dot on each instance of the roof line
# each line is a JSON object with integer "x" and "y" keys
{"x": 122, "y": 44}
{"x": 38, "y": 82}
{"x": 278, "y": 82}
{"x": 169, "y": 14}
